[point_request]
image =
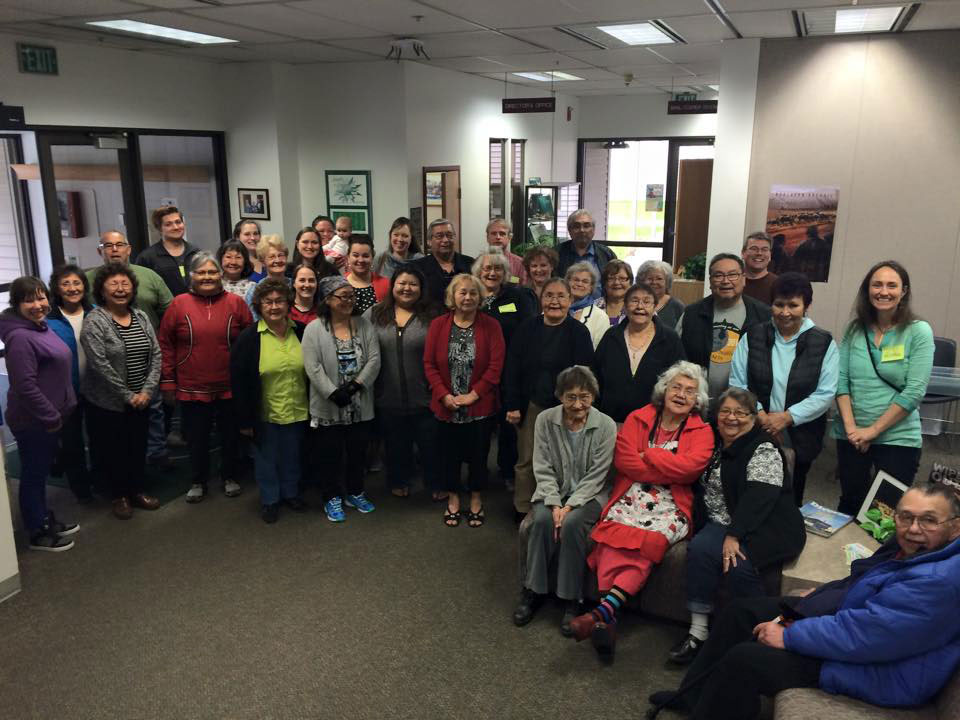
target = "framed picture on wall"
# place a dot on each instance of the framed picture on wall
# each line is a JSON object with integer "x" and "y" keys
{"x": 348, "y": 188}
{"x": 254, "y": 203}
{"x": 359, "y": 218}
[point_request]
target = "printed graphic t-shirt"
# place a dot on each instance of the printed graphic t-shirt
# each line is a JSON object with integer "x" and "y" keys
{"x": 727, "y": 324}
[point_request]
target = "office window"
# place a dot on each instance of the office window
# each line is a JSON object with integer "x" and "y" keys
{"x": 517, "y": 148}
{"x": 498, "y": 187}
{"x": 15, "y": 256}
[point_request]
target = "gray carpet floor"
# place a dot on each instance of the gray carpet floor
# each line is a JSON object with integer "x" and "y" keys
{"x": 203, "y": 611}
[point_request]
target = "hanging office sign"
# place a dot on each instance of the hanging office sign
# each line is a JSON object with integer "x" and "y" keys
{"x": 38, "y": 59}
{"x": 530, "y": 105}
{"x": 691, "y": 107}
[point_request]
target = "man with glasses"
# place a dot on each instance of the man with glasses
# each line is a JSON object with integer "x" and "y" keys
{"x": 711, "y": 328}
{"x": 888, "y": 634}
{"x": 443, "y": 261}
{"x": 153, "y": 298}
{"x": 581, "y": 246}
{"x": 756, "y": 257}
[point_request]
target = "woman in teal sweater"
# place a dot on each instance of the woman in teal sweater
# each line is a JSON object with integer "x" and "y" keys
{"x": 885, "y": 363}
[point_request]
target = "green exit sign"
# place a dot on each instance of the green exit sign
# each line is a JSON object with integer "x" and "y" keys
{"x": 37, "y": 59}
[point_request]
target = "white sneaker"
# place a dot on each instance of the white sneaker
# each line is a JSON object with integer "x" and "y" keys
{"x": 231, "y": 488}
{"x": 196, "y": 493}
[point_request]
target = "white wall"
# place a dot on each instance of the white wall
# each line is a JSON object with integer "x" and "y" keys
{"x": 604, "y": 116}
{"x": 9, "y": 570}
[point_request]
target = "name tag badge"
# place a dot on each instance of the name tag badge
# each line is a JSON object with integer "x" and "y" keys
{"x": 892, "y": 353}
{"x": 514, "y": 279}
{"x": 511, "y": 307}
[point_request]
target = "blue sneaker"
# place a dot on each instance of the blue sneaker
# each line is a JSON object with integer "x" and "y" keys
{"x": 334, "y": 509}
{"x": 360, "y": 502}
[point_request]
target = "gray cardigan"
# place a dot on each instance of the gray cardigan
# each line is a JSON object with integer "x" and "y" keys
{"x": 105, "y": 382}
{"x": 563, "y": 479}
{"x": 402, "y": 386}
{"x": 320, "y": 361}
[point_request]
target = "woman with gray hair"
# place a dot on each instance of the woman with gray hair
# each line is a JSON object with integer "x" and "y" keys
{"x": 584, "y": 279}
{"x": 195, "y": 336}
{"x": 661, "y": 450}
{"x": 572, "y": 452}
{"x": 659, "y": 276}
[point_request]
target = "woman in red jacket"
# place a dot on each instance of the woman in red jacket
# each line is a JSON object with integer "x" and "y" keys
{"x": 463, "y": 359}
{"x": 661, "y": 450}
{"x": 195, "y": 337}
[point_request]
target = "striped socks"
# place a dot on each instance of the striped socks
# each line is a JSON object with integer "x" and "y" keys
{"x": 615, "y": 599}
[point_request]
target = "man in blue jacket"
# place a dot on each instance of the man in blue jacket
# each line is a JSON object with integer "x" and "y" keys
{"x": 888, "y": 634}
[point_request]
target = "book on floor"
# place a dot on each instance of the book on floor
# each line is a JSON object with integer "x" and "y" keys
{"x": 823, "y": 521}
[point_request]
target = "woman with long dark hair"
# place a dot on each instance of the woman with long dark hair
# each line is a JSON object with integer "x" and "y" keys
{"x": 402, "y": 395}
{"x": 403, "y": 249}
{"x": 307, "y": 251}
{"x": 370, "y": 288}
{"x": 247, "y": 233}
{"x": 885, "y": 361}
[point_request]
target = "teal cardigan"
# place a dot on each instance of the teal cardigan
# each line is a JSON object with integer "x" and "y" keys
{"x": 871, "y": 396}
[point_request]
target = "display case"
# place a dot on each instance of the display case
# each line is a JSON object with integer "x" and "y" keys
{"x": 545, "y": 211}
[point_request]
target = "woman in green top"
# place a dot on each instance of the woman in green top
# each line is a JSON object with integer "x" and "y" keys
{"x": 269, "y": 388}
{"x": 885, "y": 363}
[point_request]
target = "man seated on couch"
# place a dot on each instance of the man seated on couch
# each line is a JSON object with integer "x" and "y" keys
{"x": 888, "y": 634}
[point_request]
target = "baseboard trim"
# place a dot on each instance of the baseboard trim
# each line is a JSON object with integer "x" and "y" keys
{"x": 9, "y": 587}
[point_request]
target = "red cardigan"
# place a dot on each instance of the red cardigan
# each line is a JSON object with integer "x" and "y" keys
{"x": 487, "y": 365}
{"x": 195, "y": 337}
{"x": 658, "y": 466}
{"x": 381, "y": 285}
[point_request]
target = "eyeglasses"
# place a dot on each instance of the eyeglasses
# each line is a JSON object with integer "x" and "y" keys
{"x": 556, "y": 296}
{"x": 271, "y": 302}
{"x": 927, "y": 523}
{"x": 720, "y": 277}
{"x": 441, "y": 235}
{"x": 619, "y": 279}
{"x": 113, "y": 246}
{"x": 345, "y": 297}
{"x": 738, "y": 414}
{"x": 645, "y": 302}
{"x": 580, "y": 226}
{"x": 681, "y": 390}
{"x": 574, "y": 398}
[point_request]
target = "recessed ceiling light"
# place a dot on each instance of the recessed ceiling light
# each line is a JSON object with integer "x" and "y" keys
{"x": 547, "y": 76}
{"x": 637, "y": 34}
{"x": 168, "y": 33}
{"x": 851, "y": 20}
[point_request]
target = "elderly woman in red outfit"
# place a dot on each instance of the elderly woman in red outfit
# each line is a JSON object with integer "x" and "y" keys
{"x": 195, "y": 337}
{"x": 661, "y": 450}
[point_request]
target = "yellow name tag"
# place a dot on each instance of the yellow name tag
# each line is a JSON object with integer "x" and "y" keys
{"x": 514, "y": 279}
{"x": 892, "y": 353}
{"x": 510, "y": 307}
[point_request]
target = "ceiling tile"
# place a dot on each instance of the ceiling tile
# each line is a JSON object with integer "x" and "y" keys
{"x": 475, "y": 64}
{"x": 540, "y": 13}
{"x": 619, "y": 56}
{"x": 732, "y": 6}
{"x": 541, "y": 61}
{"x": 308, "y": 52}
{"x": 73, "y": 8}
{"x": 393, "y": 17}
{"x": 771, "y": 24}
{"x": 690, "y": 53}
{"x": 194, "y": 24}
{"x": 700, "y": 28}
{"x": 550, "y": 38}
{"x": 483, "y": 42}
{"x": 654, "y": 72}
{"x": 936, "y": 16}
{"x": 9, "y": 15}
{"x": 283, "y": 20}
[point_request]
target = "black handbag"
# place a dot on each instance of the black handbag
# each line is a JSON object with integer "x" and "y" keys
{"x": 874, "y": 362}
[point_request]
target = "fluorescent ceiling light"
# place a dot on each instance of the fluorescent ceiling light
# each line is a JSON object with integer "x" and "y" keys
{"x": 637, "y": 34}
{"x": 168, "y": 33}
{"x": 547, "y": 76}
{"x": 851, "y": 20}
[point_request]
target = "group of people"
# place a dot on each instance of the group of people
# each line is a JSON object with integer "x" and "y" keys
{"x": 626, "y": 422}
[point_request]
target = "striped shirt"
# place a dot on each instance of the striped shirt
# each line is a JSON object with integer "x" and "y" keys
{"x": 136, "y": 346}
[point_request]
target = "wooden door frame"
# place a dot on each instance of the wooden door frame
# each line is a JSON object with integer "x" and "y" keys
{"x": 423, "y": 179}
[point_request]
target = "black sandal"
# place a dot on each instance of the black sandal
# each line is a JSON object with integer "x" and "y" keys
{"x": 451, "y": 519}
{"x": 476, "y": 519}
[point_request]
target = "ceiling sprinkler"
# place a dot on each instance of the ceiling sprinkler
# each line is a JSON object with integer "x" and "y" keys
{"x": 411, "y": 45}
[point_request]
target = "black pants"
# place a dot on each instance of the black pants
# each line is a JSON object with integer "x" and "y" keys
{"x": 857, "y": 470}
{"x": 335, "y": 449}
{"x": 465, "y": 443}
{"x": 800, "y": 471}
{"x": 73, "y": 453}
{"x": 198, "y": 418}
{"x": 400, "y": 432}
{"x": 119, "y": 441}
{"x": 743, "y": 669}
{"x": 506, "y": 446}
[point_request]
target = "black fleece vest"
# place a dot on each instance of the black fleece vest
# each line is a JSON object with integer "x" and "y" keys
{"x": 807, "y": 439}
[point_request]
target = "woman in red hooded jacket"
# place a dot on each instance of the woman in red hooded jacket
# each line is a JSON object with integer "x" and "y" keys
{"x": 661, "y": 450}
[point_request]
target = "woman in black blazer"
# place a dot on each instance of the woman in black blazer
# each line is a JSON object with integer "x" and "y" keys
{"x": 631, "y": 356}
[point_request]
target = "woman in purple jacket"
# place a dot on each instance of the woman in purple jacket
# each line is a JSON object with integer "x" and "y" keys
{"x": 39, "y": 400}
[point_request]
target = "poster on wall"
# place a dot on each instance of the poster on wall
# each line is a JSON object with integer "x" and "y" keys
{"x": 359, "y": 220}
{"x": 654, "y": 197}
{"x": 254, "y": 204}
{"x": 801, "y": 220}
{"x": 70, "y": 211}
{"x": 348, "y": 188}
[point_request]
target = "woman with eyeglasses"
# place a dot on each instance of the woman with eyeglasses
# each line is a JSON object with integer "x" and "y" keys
{"x": 272, "y": 252}
{"x": 661, "y": 450}
{"x": 342, "y": 358}
{"x": 583, "y": 279}
{"x": 632, "y": 355}
{"x": 745, "y": 517}
{"x": 615, "y": 280}
{"x": 659, "y": 276}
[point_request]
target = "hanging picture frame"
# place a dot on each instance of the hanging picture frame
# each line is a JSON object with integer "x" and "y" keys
{"x": 349, "y": 194}
{"x": 359, "y": 218}
{"x": 254, "y": 203}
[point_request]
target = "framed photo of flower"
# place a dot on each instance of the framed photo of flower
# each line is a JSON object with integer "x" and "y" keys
{"x": 348, "y": 188}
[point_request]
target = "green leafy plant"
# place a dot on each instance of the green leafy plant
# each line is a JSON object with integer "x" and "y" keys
{"x": 548, "y": 240}
{"x": 695, "y": 267}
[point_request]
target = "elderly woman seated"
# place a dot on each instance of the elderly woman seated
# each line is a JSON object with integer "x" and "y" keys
{"x": 572, "y": 453}
{"x": 661, "y": 450}
{"x": 745, "y": 515}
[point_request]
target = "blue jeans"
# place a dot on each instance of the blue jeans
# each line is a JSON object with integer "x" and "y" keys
{"x": 705, "y": 571}
{"x": 276, "y": 460}
{"x": 37, "y": 450}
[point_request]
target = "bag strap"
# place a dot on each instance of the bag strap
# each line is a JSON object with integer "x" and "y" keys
{"x": 874, "y": 362}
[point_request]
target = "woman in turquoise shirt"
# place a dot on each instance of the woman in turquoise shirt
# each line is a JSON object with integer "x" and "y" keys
{"x": 885, "y": 363}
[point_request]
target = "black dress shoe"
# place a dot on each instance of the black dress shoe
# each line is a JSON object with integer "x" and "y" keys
{"x": 529, "y": 602}
{"x": 604, "y": 639}
{"x": 270, "y": 513}
{"x": 670, "y": 700}
{"x": 296, "y": 503}
{"x": 686, "y": 650}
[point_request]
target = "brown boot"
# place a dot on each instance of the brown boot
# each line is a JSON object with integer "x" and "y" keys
{"x": 122, "y": 509}
{"x": 582, "y": 626}
{"x": 604, "y": 639}
{"x": 146, "y": 502}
